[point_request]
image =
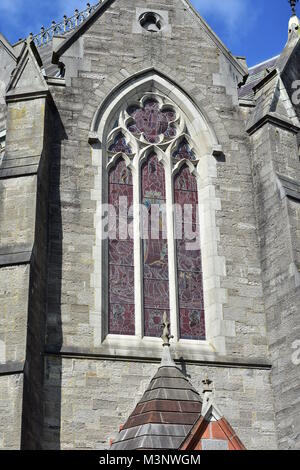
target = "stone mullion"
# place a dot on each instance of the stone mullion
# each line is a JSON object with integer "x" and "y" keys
{"x": 173, "y": 289}
{"x": 138, "y": 262}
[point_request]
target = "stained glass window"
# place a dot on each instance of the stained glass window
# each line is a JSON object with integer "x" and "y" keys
{"x": 155, "y": 248}
{"x": 184, "y": 151}
{"x": 121, "y": 314}
{"x": 120, "y": 145}
{"x": 188, "y": 259}
{"x": 152, "y": 122}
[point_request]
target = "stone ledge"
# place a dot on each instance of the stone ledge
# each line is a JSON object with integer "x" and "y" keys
{"x": 224, "y": 362}
{"x": 276, "y": 120}
{"x": 14, "y": 255}
{"x": 12, "y": 368}
{"x": 291, "y": 187}
{"x": 18, "y": 171}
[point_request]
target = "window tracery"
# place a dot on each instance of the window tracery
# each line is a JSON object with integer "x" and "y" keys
{"x": 152, "y": 134}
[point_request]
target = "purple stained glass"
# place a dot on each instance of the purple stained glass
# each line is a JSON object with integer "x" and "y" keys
{"x": 156, "y": 294}
{"x": 120, "y": 174}
{"x": 189, "y": 266}
{"x": 184, "y": 152}
{"x": 120, "y": 145}
{"x": 151, "y": 122}
{"x": 155, "y": 259}
{"x": 155, "y": 249}
{"x": 120, "y": 190}
{"x": 153, "y": 321}
{"x": 121, "y": 319}
{"x": 121, "y": 315}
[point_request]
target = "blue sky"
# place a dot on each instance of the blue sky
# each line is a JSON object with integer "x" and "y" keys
{"x": 256, "y": 29}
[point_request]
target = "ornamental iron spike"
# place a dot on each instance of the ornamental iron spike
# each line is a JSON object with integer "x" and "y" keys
{"x": 293, "y": 4}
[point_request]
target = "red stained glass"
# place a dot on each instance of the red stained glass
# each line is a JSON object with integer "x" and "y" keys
{"x": 184, "y": 151}
{"x": 155, "y": 250}
{"x": 121, "y": 315}
{"x": 120, "y": 145}
{"x": 185, "y": 181}
{"x": 189, "y": 267}
{"x": 151, "y": 122}
{"x": 192, "y": 324}
{"x": 116, "y": 191}
{"x": 153, "y": 179}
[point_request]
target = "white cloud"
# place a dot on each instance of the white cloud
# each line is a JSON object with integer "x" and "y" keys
{"x": 236, "y": 15}
{"x": 229, "y": 10}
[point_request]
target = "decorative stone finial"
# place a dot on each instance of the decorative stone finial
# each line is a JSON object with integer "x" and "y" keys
{"x": 293, "y": 4}
{"x": 166, "y": 330}
{"x": 207, "y": 386}
{"x": 207, "y": 393}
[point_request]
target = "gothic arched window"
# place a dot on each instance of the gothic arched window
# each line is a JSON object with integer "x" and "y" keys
{"x": 153, "y": 250}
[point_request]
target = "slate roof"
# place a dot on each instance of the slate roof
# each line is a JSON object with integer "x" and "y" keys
{"x": 46, "y": 52}
{"x": 256, "y": 74}
{"x": 165, "y": 415}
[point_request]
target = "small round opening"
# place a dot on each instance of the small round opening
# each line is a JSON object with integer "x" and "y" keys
{"x": 150, "y": 22}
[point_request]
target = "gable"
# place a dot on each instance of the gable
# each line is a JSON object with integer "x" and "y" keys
{"x": 7, "y": 64}
{"x": 177, "y": 21}
{"x": 212, "y": 432}
{"x": 27, "y": 78}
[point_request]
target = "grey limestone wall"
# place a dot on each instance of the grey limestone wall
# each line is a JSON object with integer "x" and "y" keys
{"x": 7, "y": 64}
{"x": 98, "y": 396}
{"x": 108, "y": 52}
{"x": 11, "y": 390}
{"x": 86, "y": 400}
{"x": 14, "y": 284}
{"x": 275, "y": 150}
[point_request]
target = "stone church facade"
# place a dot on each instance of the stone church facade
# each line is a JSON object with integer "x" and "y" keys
{"x": 141, "y": 99}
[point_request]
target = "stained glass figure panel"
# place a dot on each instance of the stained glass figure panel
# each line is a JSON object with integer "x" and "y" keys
{"x": 121, "y": 312}
{"x": 188, "y": 259}
{"x": 120, "y": 145}
{"x": 192, "y": 324}
{"x": 184, "y": 151}
{"x": 155, "y": 250}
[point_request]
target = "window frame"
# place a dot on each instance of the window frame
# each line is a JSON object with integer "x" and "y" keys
{"x": 214, "y": 268}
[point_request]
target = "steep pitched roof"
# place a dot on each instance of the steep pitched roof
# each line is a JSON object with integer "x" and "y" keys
{"x": 272, "y": 103}
{"x": 166, "y": 413}
{"x": 256, "y": 74}
{"x": 259, "y": 72}
{"x": 4, "y": 43}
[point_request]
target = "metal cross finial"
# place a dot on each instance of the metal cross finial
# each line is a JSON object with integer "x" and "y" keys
{"x": 293, "y": 4}
{"x": 166, "y": 330}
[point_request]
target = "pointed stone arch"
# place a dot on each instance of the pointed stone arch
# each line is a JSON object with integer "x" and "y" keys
{"x": 148, "y": 80}
{"x": 205, "y": 141}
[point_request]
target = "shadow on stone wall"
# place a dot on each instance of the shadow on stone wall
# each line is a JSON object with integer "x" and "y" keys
{"x": 42, "y": 402}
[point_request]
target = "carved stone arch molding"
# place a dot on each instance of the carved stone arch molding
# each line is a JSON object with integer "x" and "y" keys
{"x": 114, "y": 134}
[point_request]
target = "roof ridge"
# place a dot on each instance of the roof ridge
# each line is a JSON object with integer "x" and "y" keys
{"x": 264, "y": 62}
